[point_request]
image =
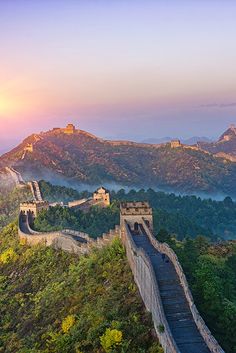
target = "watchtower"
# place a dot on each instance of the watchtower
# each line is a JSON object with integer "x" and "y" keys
{"x": 70, "y": 129}
{"x": 134, "y": 212}
{"x": 175, "y": 144}
{"x": 102, "y": 196}
{"x": 32, "y": 208}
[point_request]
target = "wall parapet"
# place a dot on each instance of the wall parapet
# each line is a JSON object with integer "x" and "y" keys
{"x": 68, "y": 240}
{"x": 164, "y": 248}
{"x": 145, "y": 279}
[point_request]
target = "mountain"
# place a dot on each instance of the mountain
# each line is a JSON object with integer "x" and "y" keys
{"x": 225, "y": 146}
{"x": 156, "y": 140}
{"x": 195, "y": 139}
{"x": 80, "y": 156}
{"x": 190, "y": 141}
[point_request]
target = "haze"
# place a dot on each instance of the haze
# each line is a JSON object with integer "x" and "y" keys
{"x": 123, "y": 69}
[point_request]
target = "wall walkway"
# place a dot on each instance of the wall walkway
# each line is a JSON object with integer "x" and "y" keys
{"x": 165, "y": 292}
{"x": 67, "y": 239}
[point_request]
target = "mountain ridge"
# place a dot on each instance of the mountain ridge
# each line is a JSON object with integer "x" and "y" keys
{"x": 225, "y": 144}
{"x": 79, "y": 155}
{"x": 188, "y": 141}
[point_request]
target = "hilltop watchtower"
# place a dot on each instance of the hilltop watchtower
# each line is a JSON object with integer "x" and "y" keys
{"x": 175, "y": 144}
{"x": 101, "y": 195}
{"x": 70, "y": 129}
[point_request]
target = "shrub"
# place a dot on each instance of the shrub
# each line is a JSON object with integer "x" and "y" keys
{"x": 111, "y": 339}
{"x": 161, "y": 328}
{"x": 8, "y": 256}
{"x": 67, "y": 323}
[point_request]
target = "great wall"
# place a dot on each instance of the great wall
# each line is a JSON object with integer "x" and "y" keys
{"x": 163, "y": 285}
{"x": 155, "y": 267}
{"x": 68, "y": 240}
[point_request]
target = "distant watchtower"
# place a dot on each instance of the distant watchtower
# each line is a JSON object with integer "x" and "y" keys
{"x": 101, "y": 195}
{"x": 70, "y": 129}
{"x": 175, "y": 144}
{"x": 29, "y": 147}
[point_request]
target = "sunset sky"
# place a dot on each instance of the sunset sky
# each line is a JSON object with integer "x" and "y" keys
{"x": 117, "y": 68}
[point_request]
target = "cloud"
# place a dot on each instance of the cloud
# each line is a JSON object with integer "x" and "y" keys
{"x": 218, "y": 105}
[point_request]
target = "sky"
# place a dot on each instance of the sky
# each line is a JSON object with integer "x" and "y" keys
{"x": 129, "y": 69}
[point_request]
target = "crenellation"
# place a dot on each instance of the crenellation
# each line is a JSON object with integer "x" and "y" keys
{"x": 33, "y": 207}
{"x": 133, "y": 211}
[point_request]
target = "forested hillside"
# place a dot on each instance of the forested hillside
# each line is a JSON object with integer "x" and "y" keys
{"x": 87, "y": 159}
{"x": 54, "y": 302}
{"x": 181, "y": 215}
{"x": 68, "y": 304}
{"x": 216, "y": 217}
{"x": 56, "y": 193}
{"x": 10, "y": 199}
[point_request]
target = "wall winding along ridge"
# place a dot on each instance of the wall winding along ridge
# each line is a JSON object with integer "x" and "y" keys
{"x": 157, "y": 271}
{"x": 146, "y": 281}
{"x": 68, "y": 240}
{"x": 35, "y": 189}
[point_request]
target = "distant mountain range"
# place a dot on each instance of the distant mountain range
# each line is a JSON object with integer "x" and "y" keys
{"x": 190, "y": 141}
{"x": 226, "y": 145}
{"x": 80, "y": 156}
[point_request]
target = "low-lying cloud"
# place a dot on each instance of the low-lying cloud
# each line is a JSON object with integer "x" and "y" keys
{"x": 219, "y": 105}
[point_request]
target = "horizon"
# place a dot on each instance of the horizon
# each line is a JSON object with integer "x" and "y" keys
{"x": 12, "y": 144}
{"x": 111, "y": 66}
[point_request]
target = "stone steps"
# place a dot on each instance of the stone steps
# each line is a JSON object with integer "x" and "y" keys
{"x": 175, "y": 305}
{"x": 194, "y": 347}
{"x": 176, "y": 308}
{"x": 182, "y": 324}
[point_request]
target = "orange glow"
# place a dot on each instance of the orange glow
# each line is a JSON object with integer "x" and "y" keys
{"x": 12, "y": 105}
{"x": 4, "y": 105}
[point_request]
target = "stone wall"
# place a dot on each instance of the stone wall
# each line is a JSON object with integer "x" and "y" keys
{"x": 64, "y": 239}
{"x": 145, "y": 279}
{"x": 205, "y": 332}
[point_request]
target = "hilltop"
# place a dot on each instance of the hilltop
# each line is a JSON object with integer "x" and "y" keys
{"x": 225, "y": 146}
{"x": 80, "y": 156}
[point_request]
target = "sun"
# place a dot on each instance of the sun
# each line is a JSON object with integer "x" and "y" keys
{"x": 5, "y": 105}
{"x": 10, "y": 105}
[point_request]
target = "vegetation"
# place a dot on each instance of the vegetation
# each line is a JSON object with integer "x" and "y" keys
{"x": 54, "y": 302}
{"x": 95, "y": 222}
{"x": 187, "y": 215}
{"x": 9, "y": 203}
{"x": 211, "y": 273}
{"x": 56, "y": 193}
{"x": 90, "y": 160}
{"x": 180, "y": 215}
